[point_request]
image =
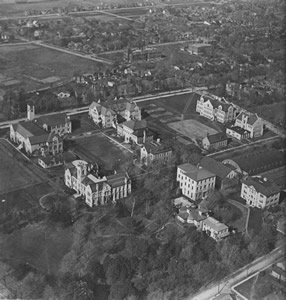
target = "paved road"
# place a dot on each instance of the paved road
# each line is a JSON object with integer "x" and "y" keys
{"x": 208, "y": 293}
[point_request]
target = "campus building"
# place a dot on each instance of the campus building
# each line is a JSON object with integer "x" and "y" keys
{"x": 95, "y": 190}
{"x": 195, "y": 182}
{"x": 250, "y": 122}
{"x": 215, "y": 141}
{"x": 113, "y": 112}
{"x": 215, "y": 229}
{"x": 260, "y": 192}
{"x": 215, "y": 109}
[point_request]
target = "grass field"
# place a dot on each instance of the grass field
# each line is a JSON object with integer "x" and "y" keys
{"x": 278, "y": 176}
{"x": 24, "y": 62}
{"x": 100, "y": 149}
{"x": 40, "y": 246}
{"x": 13, "y": 173}
{"x": 192, "y": 129}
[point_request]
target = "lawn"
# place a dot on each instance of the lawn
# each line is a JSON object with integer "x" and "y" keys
{"x": 255, "y": 219}
{"x": 192, "y": 129}
{"x": 40, "y": 246}
{"x": 30, "y": 63}
{"x": 13, "y": 173}
{"x": 98, "y": 148}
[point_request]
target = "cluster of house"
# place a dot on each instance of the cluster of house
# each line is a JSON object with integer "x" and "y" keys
{"x": 125, "y": 116}
{"x": 80, "y": 176}
{"x": 239, "y": 125}
{"x": 197, "y": 182}
{"x": 42, "y": 136}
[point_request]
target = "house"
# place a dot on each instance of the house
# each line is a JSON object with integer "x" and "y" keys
{"x": 250, "y": 122}
{"x": 33, "y": 138}
{"x": 260, "y": 192}
{"x": 155, "y": 151}
{"x": 107, "y": 114}
{"x": 278, "y": 271}
{"x": 215, "y": 141}
{"x": 237, "y": 132}
{"x": 215, "y": 109}
{"x": 135, "y": 132}
{"x": 194, "y": 216}
{"x": 195, "y": 182}
{"x": 221, "y": 171}
{"x": 256, "y": 162}
{"x": 96, "y": 190}
{"x": 50, "y": 161}
{"x": 215, "y": 229}
{"x": 199, "y": 48}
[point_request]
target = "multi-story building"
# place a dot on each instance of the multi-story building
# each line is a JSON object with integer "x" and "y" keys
{"x": 215, "y": 229}
{"x": 260, "y": 192}
{"x": 237, "y": 132}
{"x": 251, "y": 123}
{"x": 215, "y": 109}
{"x": 135, "y": 132}
{"x": 215, "y": 141}
{"x": 96, "y": 190}
{"x": 155, "y": 151}
{"x": 196, "y": 182}
{"x": 109, "y": 113}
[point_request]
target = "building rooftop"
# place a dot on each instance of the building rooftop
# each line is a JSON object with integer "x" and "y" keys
{"x": 52, "y": 120}
{"x": 237, "y": 129}
{"x": 215, "y": 224}
{"x": 28, "y": 129}
{"x": 196, "y": 173}
{"x": 252, "y": 118}
{"x": 116, "y": 180}
{"x": 215, "y": 167}
{"x": 217, "y": 137}
{"x": 156, "y": 147}
{"x": 262, "y": 185}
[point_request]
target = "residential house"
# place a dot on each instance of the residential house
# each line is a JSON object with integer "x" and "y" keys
{"x": 215, "y": 141}
{"x": 215, "y": 109}
{"x": 109, "y": 113}
{"x": 260, "y": 192}
{"x": 195, "y": 182}
{"x": 222, "y": 172}
{"x": 33, "y": 138}
{"x": 251, "y": 123}
{"x": 135, "y": 132}
{"x": 155, "y": 151}
{"x": 50, "y": 161}
{"x": 256, "y": 162}
{"x": 96, "y": 190}
{"x": 199, "y": 48}
{"x": 237, "y": 132}
{"x": 215, "y": 229}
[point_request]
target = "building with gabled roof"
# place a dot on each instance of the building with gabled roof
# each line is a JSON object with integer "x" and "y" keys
{"x": 94, "y": 189}
{"x": 237, "y": 132}
{"x": 195, "y": 182}
{"x": 215, "y": 108}
{"x": 215, "y": 141}
{"x": 260, "y": 192}
{"x": 155, "y": 151}
{"x": 250, "y": 122}
{"x": 215, "y": 229}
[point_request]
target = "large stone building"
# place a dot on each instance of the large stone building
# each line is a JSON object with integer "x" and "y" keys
{"x": 250, "y": 122}
{"x": 196, "y": 182}
{"x": 215, "y": 109}
{"x": 111, "y": 113}
{"x": 96, "y": 190}
{"x": 260, "y": 192}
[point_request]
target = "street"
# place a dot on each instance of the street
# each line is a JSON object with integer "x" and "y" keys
{"x": 224, "y": 286}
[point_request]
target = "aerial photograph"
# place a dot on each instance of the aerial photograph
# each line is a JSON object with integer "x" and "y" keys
{"x": 142, "y": 149}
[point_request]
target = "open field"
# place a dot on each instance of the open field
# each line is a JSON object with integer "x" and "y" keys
{"x": 32, "y": 65}
{"x": 13, "y": 173}
{"x": 98, "y": 148}
{"x": 278, "y": 176}
{"x": 192, "y": 129}
{"x": 39, "y": 246}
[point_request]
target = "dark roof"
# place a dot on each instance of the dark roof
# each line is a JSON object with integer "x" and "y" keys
{"x": 263, "y": 185}
{"x": 136, "y": 124}
{"x": 28, "y": 129}
{"x": 116, "y": 180}
{"x": 217, "y": 137}
{"x": 257, "y": 162}
{"x": 196, "y": 173}
{"x": 237, "y": 129}
{"x": 39, "y": 139}
{"x": 50, "y": 158}
{"x": 215, "y": 167}
{"x": 252, "y": 118}
{"x": 216, "y": 103}
{"x": 156, "y": 148}
{"x": 52, "y": 120}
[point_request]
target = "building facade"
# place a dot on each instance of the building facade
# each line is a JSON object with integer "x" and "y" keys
{"x": 260, "y": 192}
{"x": 155, "y": 151}
{"x": 215, "y": 229}
{"x": 237, "y": 132}
{"x": 195, "y": 182}
{"x": 215, "y": 141}
{"x": 215, "y": 109}
{"x": 96, "y": 190}
{"x": 250, "y": 122}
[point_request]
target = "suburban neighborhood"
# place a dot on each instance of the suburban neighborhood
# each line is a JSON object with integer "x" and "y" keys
{"x": 142, "y": 150}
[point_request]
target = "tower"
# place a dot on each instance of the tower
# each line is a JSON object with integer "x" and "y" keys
{"x": 30, "y": 112}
